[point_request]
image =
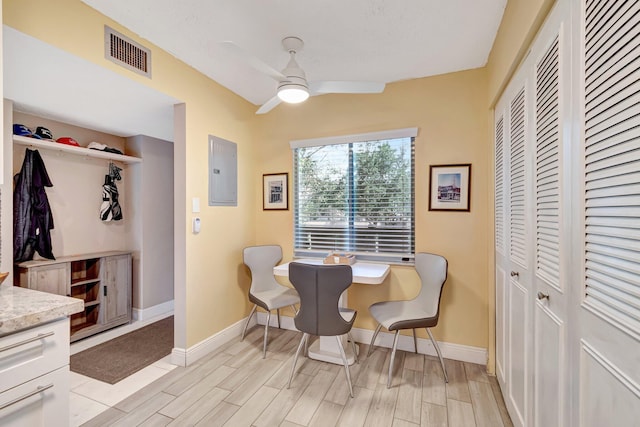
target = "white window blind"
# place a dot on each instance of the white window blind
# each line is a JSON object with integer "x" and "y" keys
{"x": 548, "y": 167}
{"x": 499, "y": 186}
{"x": 517, "y": 202}
{"x": 612, "y": 160}
{"x": 355, "y": 197}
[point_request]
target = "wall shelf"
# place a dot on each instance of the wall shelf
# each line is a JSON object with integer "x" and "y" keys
{"x": 79, "y": 151}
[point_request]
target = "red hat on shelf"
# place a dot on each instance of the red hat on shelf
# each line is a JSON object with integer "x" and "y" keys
{"x": 68, "y": 140}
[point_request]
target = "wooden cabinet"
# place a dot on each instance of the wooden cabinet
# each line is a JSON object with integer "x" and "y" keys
{"x": 34, "y": 376}
{"x": 101, "y": 280}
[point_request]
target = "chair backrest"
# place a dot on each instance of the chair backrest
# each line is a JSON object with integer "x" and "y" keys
{"x": 261, "y": 260}
{"x": 432, "y": 270}
{"x": 320, "y": 287}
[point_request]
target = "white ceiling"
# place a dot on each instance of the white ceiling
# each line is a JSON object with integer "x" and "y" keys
{"x": 49, "y": 82}
{"x": 362, "y": 40}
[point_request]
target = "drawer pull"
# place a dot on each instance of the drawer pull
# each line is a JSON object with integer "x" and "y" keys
{"x": 27, "y": 341}
{"x": 40, "y": 389}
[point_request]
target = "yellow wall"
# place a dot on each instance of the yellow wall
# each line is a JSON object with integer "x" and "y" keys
{"x": 450, "y": 112}
{"x": 216, "y": 284}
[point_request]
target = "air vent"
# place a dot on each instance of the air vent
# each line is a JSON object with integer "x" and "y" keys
{"x": 123, "y": 51}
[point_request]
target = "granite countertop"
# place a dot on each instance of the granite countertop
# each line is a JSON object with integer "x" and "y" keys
{"x": 22, "y": 308}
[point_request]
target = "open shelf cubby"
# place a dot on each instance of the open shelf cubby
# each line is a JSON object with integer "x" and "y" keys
{"x": 85, "y": 319}
{"x": 85, "y": 270}
{"x": 86, "y": 291}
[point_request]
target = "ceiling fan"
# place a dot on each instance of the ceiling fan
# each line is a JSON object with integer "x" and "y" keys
{"x": 292, "y": 81}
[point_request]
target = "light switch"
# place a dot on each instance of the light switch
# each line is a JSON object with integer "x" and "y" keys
{"x": 195, "y": 205}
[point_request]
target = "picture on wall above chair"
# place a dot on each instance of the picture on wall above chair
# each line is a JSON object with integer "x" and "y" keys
{"x": 275, "y": 191}
{"x": 450, "y": 187}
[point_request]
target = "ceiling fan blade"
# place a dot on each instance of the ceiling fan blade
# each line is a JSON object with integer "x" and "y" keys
{"x": 251, "y": 60}
{"x": 345, "y": 87}
{"x": 269, "y": 105}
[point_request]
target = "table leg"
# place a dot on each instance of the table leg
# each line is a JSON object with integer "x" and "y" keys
{"x": 326, "y": 348}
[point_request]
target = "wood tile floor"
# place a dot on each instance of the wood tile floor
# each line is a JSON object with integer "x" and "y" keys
{"x": 235, "y": 387}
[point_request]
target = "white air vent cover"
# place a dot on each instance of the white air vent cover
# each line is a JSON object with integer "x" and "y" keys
{"x": 123, "y": 51}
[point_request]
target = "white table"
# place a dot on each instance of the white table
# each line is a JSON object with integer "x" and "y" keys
{"x": 326, "y": 348}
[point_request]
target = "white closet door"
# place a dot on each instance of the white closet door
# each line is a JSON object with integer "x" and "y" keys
{"x": 513, "y": 277}
{"x": 551, "y": 69}
{"x": 610, "y": 304}
{"x": 530, "y": 301}
{"x": 500, "y": 241}
{"x": 518, "y": 303}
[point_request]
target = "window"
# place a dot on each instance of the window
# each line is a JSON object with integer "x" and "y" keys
{"x": 355, "y": 194}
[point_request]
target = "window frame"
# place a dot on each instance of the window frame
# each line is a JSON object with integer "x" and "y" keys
{"x": 389, "y": 257}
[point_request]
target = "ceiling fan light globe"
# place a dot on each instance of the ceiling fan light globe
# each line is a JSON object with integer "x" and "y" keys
{"x": 292, "y": 93}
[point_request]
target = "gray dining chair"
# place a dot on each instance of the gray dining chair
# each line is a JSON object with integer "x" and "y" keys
{"x": 265, "y": 291}
{"x": 320, "y": 287}
{"x": 421, "y": 312}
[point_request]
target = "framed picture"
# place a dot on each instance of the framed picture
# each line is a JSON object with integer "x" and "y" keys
{"x": 275, "y": 191}
{"x": 450, "y": 187}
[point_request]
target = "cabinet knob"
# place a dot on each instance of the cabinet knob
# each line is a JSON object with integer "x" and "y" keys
{"x": 515, "y": 274}
{"x": 542, "y": 296}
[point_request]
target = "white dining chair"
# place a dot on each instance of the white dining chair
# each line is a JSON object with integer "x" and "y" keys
{"x": 265, "y": 291}
{"x": 421, "y": 312}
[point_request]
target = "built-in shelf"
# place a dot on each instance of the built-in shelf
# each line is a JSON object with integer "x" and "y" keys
{"x": 79, "y": 151}
{"x": 84, "y": 282}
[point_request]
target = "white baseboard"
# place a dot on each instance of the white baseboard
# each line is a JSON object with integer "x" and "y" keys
{"x": 464, "y": 353}
{"x": 459, "y": 352}
{"x": 185, "y": 357}
{"x": 154, "y": 311}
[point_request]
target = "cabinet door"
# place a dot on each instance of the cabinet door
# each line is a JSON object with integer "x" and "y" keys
{"x": 52, "y": 278}
{"x": 43, "y": 401}
{"x": 116, "y": 284}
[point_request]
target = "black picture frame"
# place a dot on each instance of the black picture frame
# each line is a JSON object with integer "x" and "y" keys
{"x": 275, "y": 191}
{"x": 450, "y": 187}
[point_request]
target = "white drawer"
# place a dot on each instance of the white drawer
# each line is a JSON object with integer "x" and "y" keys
{"x": 33, "y": 352}
{"x": 43, "y": 401}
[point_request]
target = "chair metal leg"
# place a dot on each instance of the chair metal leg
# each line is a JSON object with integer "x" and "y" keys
{"x": 435, "y": 344}
{"x": 346, "y": 364}
{"x": 393, "y": 356}
{"x": 244, "y": 331}
{"x": 278, "y": 312}
{"x": 415, "y": 341}
{"x": 353, "y": 345}
{"x": 295, "y": 310}
{"x": 303, "y": 340}
{"x": 375, "y": 335}
{"x": 266, "y": 332}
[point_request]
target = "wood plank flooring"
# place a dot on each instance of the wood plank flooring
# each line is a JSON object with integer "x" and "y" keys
{"x": 235, "y": 387}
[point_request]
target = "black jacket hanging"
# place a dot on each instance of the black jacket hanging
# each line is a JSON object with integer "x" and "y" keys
{"x": 32, "y": 217}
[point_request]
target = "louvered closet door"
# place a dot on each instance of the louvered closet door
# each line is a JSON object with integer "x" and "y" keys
{"x": 501, "y": 135}
{"x": 512, "y": 219}
{"x": 550, "y": 56}
{"x": 519, "y": 338}
{"x": 531, "y": 229}
{"x": 610, "y": 303}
